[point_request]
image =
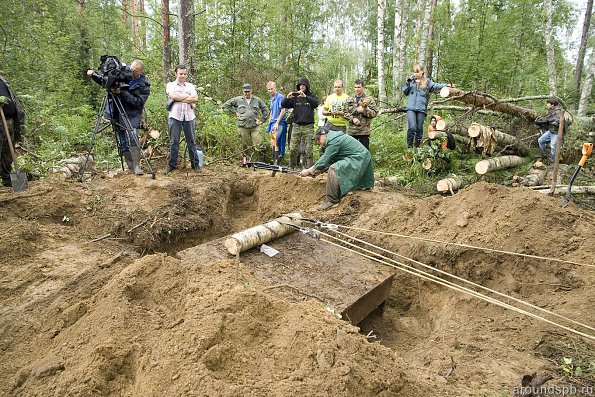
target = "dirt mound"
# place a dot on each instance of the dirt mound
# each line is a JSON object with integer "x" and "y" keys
{"x": 95, "y": 299}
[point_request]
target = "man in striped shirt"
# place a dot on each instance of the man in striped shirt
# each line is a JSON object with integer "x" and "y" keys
{"x": 181, "y": 117}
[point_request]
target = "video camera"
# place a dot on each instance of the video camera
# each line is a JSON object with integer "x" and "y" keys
{"x": 112, "y": 73}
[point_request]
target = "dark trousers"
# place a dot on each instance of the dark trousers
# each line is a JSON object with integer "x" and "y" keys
{"x": 5, "y": 156}
{"x": 364, "y": 140}
{"x": 175, "y": 132}
{"x": 415, "y": 126}
{"x": 333, "y": 191}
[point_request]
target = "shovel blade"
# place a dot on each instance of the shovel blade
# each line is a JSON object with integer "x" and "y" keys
{"x": 18, "y": 181}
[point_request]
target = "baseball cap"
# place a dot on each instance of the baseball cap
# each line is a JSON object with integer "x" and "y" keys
{"x": 247, "y": 87}
{"x": 320, "y": 131}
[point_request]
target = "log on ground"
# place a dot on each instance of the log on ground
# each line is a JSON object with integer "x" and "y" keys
{"x": 449, "y": 184}
{"x": 503, "y": 140}
{"x": 561, "y": 190}
{"x": 261, "y": 234}
{"x": 497, "y": 163}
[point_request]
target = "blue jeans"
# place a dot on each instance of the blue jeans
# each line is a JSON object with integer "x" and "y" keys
{"x": 415, "y": 127}
{"x": 280, "y": 136}
{"x": 125, "y": 140}
{"x": 552, "y": 139}
{"x": 175, "y": 131}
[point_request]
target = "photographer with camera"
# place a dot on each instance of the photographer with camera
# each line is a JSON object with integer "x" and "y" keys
{"x": 418, "y": 88}
{"x": 130, "y": 87}
{"x": 303, "y": 102}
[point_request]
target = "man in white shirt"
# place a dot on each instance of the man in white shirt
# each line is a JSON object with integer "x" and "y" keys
{"x": 181, "y": 117}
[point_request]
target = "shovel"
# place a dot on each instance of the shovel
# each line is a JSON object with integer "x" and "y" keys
{"x": 587, "y": 149}
{"x": 18, "y": 178}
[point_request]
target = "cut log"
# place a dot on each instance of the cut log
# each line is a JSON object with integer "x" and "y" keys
{"x": 73, "y": 165}
{"x": 261, "y": 234}
{"x": 486, "y": 101}
{"x": 497, "y": 163}
{"x": 502, "y": 139}
{"x": 454, "y": 128}
{"x": 436, "y": 134}
{"x": 561, "y": 190}
{"x": 449, "y": 184}
{"x": 463, "y": 109}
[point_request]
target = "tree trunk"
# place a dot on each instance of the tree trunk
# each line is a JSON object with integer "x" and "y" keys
{"x": 449, "y": 184}
{"x": 380, "y": 51}
{"x": 454, "y": 128}
{"x": 436, "y": 134}
{"x": 143, "y": 25}
{"x": 261, "y": 234}
{"x": 423, "y": 32}
{"x": 166, "y": 39}
{"x": 135, "y": 34}
{"x": 430, "y": 46}
{"x": 561, "y": 190}
{"x": 125, "y": 15}
{"x": 186, "y": 34}
{"x": 583, "y": 47}
{"x": 497, "y": 163}
{"x": 502, "y": 140}
{"x": 486, "y": 101}
{"x": 549, "y": 47}
{"x": 400, "y": 36}
{"x": 584, "y": 123}
{"x": 586, "y": 91}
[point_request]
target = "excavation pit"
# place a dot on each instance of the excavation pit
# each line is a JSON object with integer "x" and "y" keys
{"x": 350, "y": 285}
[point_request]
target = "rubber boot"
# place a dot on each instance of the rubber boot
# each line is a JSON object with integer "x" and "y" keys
{"x": 135, "y": 152}
{"x": 276, "y": 157}
{"x": 128, "y": 159}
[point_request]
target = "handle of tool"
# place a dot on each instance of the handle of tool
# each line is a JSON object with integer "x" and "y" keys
{"x": 7, "y": 133}
{"x": 587, "y": 149}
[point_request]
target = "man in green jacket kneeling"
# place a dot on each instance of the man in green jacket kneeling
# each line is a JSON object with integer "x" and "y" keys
{"x": 348, "y": 162}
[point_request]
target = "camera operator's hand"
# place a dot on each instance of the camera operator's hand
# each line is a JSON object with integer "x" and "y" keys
{"x": 90, "y": 72}
{"x": 116, "y": 90}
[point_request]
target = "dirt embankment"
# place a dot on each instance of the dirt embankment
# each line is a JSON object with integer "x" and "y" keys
{"x": 96, "y": 301}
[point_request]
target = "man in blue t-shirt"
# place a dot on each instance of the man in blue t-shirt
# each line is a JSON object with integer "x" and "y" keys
{"x": 277, "y": 127}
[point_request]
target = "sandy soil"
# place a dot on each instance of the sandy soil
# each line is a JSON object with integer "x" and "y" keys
{"x": 101, "y": 293}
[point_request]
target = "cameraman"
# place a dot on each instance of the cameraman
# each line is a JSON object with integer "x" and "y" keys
{"x": 133, "y": 101}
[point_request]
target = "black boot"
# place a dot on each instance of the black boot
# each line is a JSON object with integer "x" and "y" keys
{"x": 276, "y": 157}
{"x": 135, "y": 154}
{"x": 263, "y": 156}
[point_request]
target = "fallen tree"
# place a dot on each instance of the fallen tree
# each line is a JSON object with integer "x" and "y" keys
{"x": 497, "y": 163}
{"x": 502, "y": 139}
{"x": 487, "y": 102}
{"x": 561, "y": 190}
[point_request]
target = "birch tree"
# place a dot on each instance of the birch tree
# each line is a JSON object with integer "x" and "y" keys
{"x": 399, "y": 41}
{"x": 380, "y": 51}
{"x": 583, "y": 46}
{"x": 586, "y": 91}
{"x": 549, "y": 47}
{"x": 423, "y": 22}
{"x": 429, "y": 59}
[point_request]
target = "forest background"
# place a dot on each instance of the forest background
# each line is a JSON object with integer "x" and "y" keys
{"x": 508, "y": 48}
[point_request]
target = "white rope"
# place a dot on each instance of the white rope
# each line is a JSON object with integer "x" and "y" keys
{"x": 467, "y": 281}
{"x": 448, "y": 284}
{"x": 468, "y": 246}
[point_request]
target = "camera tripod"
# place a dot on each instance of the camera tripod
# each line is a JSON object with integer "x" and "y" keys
{"x": 111, "y": 101}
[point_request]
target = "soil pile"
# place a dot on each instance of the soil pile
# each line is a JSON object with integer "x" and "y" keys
{"x": 95, "y": 300}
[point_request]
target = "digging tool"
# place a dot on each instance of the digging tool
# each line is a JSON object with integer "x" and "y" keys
{"x": 18, "y": 179}
{"x": 587, "y": 149}
{"x": 269, "y": 167}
